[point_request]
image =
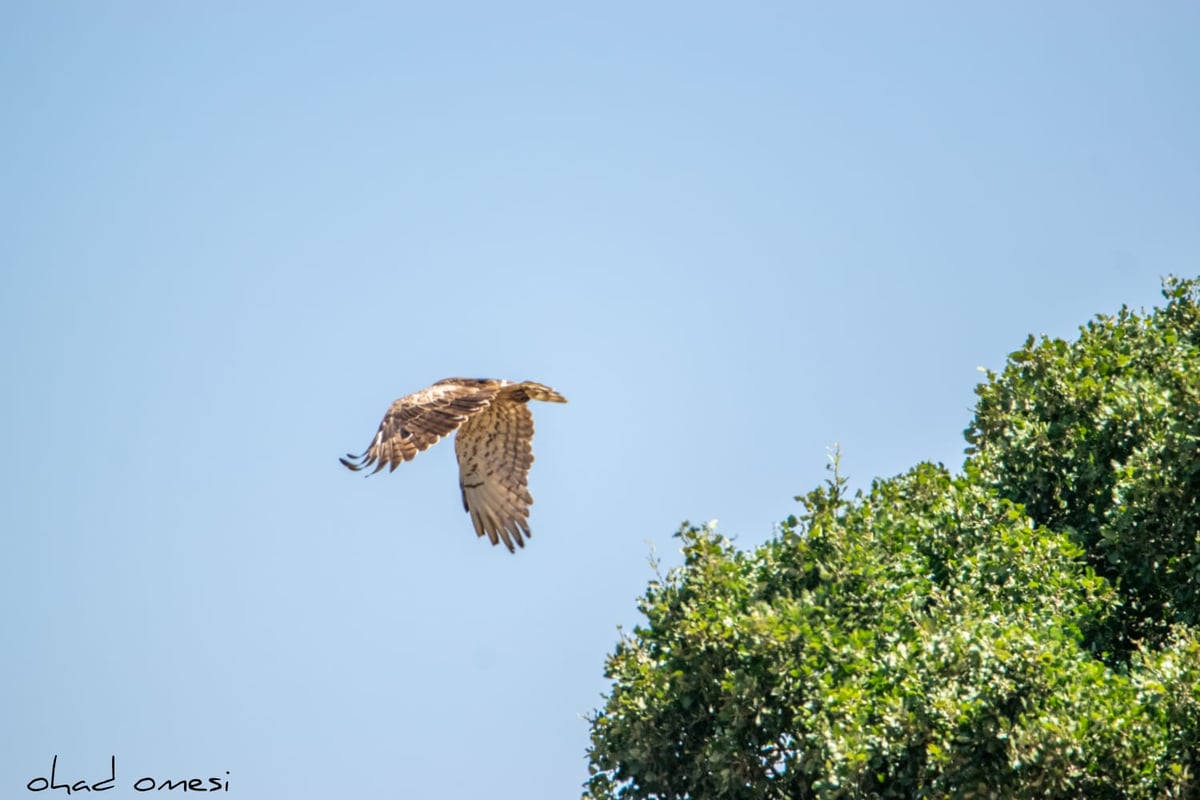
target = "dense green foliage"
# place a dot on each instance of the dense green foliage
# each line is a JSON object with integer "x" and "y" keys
{"x": 1023, "y": 629}
{"x": 1101, "y": 437}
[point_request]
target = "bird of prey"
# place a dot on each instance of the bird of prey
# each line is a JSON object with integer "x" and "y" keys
{"x": 494, "y": 446}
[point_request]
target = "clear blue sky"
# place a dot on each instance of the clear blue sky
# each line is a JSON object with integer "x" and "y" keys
{"x": 233, "y": 233}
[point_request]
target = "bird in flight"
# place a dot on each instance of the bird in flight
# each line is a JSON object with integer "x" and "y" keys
{"x": 494, "y": 446}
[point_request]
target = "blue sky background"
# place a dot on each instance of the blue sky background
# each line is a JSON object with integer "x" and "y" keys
{"x": 232, "y": 234}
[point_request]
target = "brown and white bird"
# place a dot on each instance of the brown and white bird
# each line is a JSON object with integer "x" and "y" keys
{"x": 494, "y": 446}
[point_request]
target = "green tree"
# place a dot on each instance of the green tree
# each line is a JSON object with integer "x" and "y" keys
{"x": 1101, "y": 437}
{"x": 972, "y": 635}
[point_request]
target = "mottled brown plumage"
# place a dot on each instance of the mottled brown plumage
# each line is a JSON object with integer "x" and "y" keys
{"x": 494, "y": 446}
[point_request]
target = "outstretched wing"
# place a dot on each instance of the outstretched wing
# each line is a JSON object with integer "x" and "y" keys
{"x": 495, "y": 451}
{"x": 416, "y": 422}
